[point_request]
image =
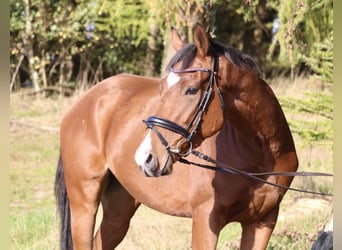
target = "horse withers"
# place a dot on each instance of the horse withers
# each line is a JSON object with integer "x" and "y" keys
{"x": 213, "y": 100}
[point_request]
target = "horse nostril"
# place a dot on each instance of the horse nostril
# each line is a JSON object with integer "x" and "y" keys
{"x": 149, "y": 158}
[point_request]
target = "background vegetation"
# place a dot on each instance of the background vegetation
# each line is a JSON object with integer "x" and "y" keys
{"x": 62, "y": 47}
{"x": 76, "y": 43}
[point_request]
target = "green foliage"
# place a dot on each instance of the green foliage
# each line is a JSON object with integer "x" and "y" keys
{"x": 305, "y": 35}
{"x": 123, "y": 19}
{"x": 318, "y": 108}
{"x": 100, "y": 38}
{"x": 320, "y": 59}
{"x": 247, "y": 10}
{"x": 185, "y": 14}
{"x": 105, "y": 37}
{"x": 289, "y": 36}
{"x": 122, "y": 31}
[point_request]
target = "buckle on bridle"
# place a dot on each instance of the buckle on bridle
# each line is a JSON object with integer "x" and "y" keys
{"x": 179, "y": 151}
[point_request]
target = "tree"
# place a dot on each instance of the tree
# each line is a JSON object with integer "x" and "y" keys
{"x": 45, "y": 37}
{"x": 183, "y": 15}
{"x": 305, "y": 28}
{"x": 78, "y": 43}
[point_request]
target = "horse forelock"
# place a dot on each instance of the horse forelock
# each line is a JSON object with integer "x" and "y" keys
{"x": 242, "y": 61}
{"x": 187, "y": 54}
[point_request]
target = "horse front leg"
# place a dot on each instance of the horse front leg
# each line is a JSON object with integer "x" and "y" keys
{"x": 257, "y": 235}
{"x": 84, "y": 191}
{"x": 118, "y": 209}
{"x": 206, "y": 226}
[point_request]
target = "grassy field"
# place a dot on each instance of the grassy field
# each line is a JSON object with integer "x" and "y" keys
{"x": 34, "y": 147}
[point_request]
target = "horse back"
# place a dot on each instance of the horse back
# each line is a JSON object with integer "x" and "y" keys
{"x": 89, "y": 120}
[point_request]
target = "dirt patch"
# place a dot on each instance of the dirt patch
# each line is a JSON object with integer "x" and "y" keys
{"x": 16, "y": 125}
{"x": 305, "y": 205}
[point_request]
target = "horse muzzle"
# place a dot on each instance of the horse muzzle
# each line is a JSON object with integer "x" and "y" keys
{"x": 150, "y": 165}
{"x": 151, "y": 168}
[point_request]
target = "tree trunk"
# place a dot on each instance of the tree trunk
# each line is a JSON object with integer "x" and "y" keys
{"x": 42, "y": 69}
{"x": 168, "y": 52}
{"x": 152, "y": 50}
{"x": 15, "y": 74}
{"x": 262, "y": 33}
{"x": 82, "y": 77}
{"x": 28, "y": 44}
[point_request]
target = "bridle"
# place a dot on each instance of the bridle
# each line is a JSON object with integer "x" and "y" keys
{"x": 153, "y": 122}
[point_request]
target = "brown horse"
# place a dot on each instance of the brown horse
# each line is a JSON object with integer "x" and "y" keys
{"x": 212, "y": 100}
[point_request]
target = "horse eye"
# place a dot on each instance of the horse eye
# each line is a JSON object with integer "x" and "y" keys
{"x": 191, "y": 91}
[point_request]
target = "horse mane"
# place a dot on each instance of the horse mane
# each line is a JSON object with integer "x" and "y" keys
{"x": 242, "y": 61}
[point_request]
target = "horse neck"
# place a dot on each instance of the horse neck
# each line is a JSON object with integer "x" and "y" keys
{"x": 252, "y": 108}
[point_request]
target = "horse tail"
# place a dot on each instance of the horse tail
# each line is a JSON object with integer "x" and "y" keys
{"x": 63, "y": 207}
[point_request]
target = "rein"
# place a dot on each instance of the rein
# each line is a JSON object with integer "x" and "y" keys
{"x": 225, "y": 168}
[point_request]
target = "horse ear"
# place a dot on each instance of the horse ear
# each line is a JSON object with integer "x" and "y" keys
{"x": 176, "y": 40}
{"x": 201, "y": 40}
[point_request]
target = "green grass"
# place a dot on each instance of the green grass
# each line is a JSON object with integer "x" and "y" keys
{"x": 34, "y": 148}
{"x": 33, "y": 161}
{"x": 230, "y": 237}
{"x": 34, "y": 229}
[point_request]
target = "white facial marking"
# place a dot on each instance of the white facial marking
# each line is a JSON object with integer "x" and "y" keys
{"x": 143, "y": 150}
{"x": 172, "y": 79}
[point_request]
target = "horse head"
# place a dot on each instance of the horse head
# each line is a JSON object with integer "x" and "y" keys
{"x": 190, "y": 109}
